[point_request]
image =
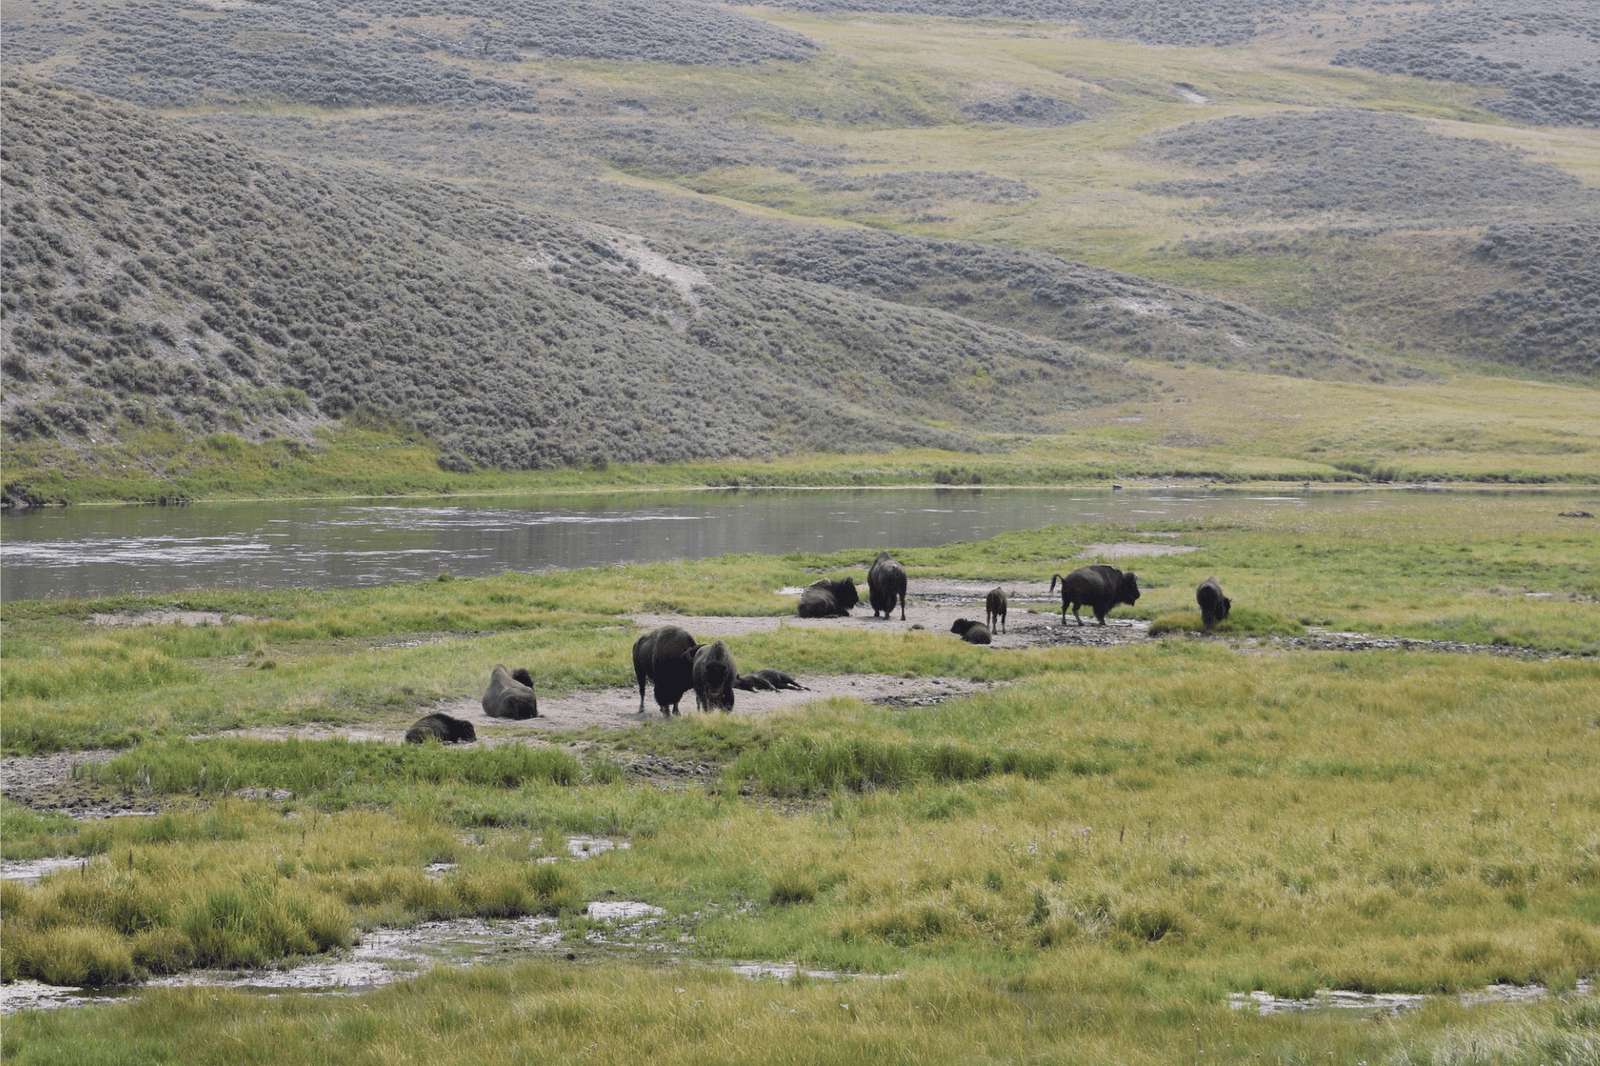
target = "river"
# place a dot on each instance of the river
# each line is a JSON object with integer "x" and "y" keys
{"x": 89, "y": 552}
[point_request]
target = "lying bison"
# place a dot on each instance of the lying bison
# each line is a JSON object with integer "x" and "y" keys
{"x": 829, "y": 598}
{"x": 440, "y": 727}
{"x": 1214, "y": 605}
{"x": 753, "y": 683}
{"x": 768, "y": 680}
{"x": 972, "y": 632}
{"x": 671, "y": 666}
{"x": 994, "y": 608}
{"x": 886, "y": 583}
{"x": 779, "y": 680}
{"x": 510, "y": 695}
{"x": 1100, "y": 587}
{"x": 713, "y": 674}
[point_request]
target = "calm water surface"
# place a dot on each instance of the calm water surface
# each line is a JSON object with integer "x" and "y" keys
{"x": 84, "y": 552}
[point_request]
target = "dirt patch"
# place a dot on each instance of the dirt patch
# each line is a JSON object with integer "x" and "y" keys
{"x": 45, "y": 783}
{"x": 167, "y": 618}
{"x": 1130, "y": 549}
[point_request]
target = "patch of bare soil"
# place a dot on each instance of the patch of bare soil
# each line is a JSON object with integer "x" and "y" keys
{"x": 1129, "y": 549}
{"x": 167, "y": 618}
{"x": 45, "y": 782}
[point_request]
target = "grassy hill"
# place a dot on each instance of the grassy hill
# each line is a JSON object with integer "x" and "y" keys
{"x": 540, "y": 242}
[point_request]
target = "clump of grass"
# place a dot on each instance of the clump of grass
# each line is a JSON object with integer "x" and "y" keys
{"x": 102, "y": 668}
{"x": 309, "y": 767}
{"x": 792, "y": 887}
{"x": 1241, "y": 622}
{"x": 809, "y": 766}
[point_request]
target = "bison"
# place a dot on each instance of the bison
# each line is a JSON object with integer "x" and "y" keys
{"x": 1214, "y": 605}
{"x": 713, "y": 674}
{"x": 671, "y": 666}
{"x": 829, "y": 598}
{"x": 643, "y": 650}
{"x": 510, "y": 695}
{"x": 886, "y": 583}
{"x": 1100, "y": 587}
{"x": 972, "y": 632}
{"x": 994, "y": 608}
{"x": 753, "y": 683}
{"x": 440, "y": 727}
{"x": 779, "y": 680}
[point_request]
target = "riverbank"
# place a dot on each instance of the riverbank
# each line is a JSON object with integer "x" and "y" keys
{"x": 1200, "y": 425}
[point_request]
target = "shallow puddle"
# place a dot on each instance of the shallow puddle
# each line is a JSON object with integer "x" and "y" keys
{"x": 29, "y": 871}
{"x": 1388, "y": 1002}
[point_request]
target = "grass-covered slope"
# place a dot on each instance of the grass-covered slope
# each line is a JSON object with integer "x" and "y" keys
{"x": 155, "y": 275}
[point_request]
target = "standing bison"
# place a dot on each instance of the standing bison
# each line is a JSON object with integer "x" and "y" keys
{"x": 886, "y": 582}
{"x": 1100, "y": 587}
{"x": 972, "y": 632}
{"x": 829, "y": 598}
{"x": 510, "y": 695}
{"x": 671, "y": 666}
{"x": 643, "y": 650}
{"x": 994, "y": 608}
{"x": 1214, "y": 606}
{"x": 714, "y": 676}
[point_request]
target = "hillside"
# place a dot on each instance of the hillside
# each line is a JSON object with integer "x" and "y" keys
{"x": 546, "y": 235}
{"x": 153, "y": 274}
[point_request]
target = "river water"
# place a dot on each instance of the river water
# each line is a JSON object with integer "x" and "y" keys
{"x": 87, "y": 552}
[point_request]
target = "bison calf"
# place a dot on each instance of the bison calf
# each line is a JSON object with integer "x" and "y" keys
{"x": 1214, "y": 606}
{"x": 886, "y": 583}
{"x": 994, "y": 608}
{"x": 972, "y": 632}
{"x": 1099, "y": 587}
{"x": 440, "y": 727}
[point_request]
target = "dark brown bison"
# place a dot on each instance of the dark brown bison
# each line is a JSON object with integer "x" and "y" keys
{"x": 1214, "y": 605}
{"x": 714, "y": 674}
{"x": 643, "y": 650}
{"x": 510, "y": 695}
{"x": 1100, "y": 587}
{"x": 886, "y": 583}
{"x": 972, "y": 632}
{"x": 671, "y": 666}
{"x": 779, "y": 680}
{"x": 829, "y": 598}
{"x": 994, "y": 608}
{"x": 753, "y": 683}
{"x": 440, "y": 727}
{"x": 768, "y": 680}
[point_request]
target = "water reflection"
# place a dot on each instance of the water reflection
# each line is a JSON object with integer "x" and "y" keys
{"x": 86, "y": 552}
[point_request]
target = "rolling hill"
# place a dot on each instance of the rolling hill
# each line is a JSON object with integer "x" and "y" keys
{"x": 663, "y": 231}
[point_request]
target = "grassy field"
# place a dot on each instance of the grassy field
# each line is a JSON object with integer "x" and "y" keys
{"x": 1078, "y": 865}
